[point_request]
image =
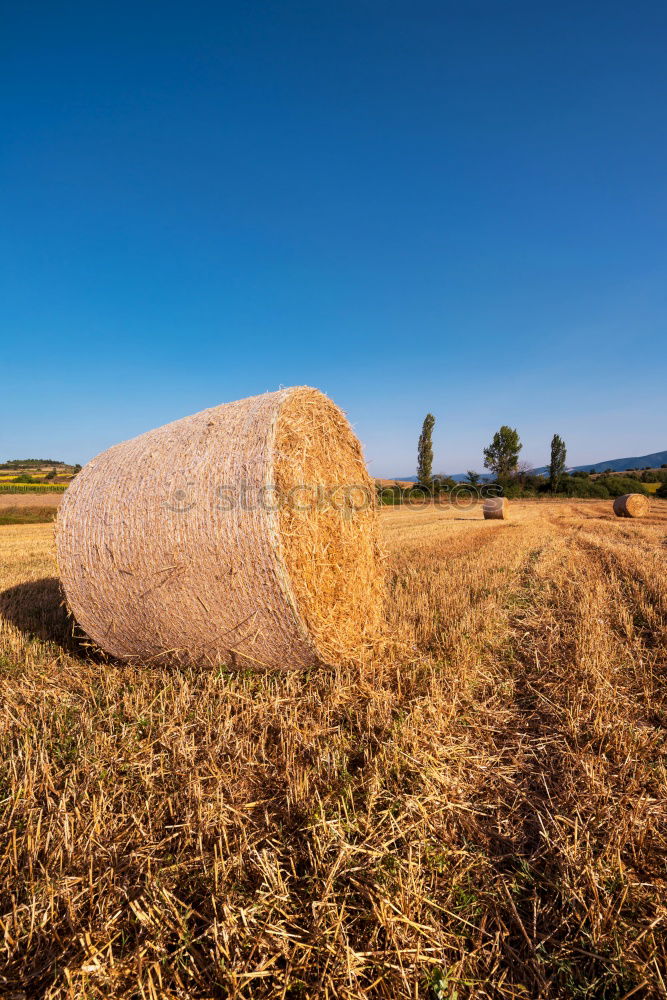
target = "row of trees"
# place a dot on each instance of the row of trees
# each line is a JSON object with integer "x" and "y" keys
{"x": 501, "y": 458}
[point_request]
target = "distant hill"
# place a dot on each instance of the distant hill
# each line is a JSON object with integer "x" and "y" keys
{"x": 458, "y": 476}
{"x": 30, "y": 463}
{"x": 653, "y": 461}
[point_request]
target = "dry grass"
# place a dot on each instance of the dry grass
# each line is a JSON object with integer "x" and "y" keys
{"x": 23, "y": 514}
{"x": 480, "y": 811}
{"x": 50, "y": 501}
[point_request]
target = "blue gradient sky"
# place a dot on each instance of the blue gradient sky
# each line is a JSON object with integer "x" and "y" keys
{"x": 455, "y": 207}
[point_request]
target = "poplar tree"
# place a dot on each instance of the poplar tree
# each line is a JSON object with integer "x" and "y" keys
{"x": 425, "y": 452}
{"x": 557, "y": 464}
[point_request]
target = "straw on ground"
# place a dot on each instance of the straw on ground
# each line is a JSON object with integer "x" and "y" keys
{"x": 479, "y": 810}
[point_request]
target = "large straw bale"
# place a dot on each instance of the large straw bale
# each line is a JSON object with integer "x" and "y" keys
{"x": 496, "y": 508}
{"x": 245, "y": 533}
{"x": 631, "y": 505}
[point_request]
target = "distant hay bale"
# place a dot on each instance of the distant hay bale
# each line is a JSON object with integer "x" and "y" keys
{"x": 496, "y": 508}
{"x": 631, "y": 505}
{"x": 245, "y": 533}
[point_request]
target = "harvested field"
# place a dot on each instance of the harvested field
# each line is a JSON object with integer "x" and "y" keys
{"x": 479, "y": 810}
{"x": 30, "y": 500}
{"x": 27, "y": 515}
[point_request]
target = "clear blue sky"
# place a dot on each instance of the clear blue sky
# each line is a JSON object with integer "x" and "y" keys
{"x": 456, "y": 207}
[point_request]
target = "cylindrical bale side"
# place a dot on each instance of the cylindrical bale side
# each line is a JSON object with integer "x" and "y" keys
{"x": 631, "y": 505}
{"x": 247, "y": 532}
{"x": 496, "y": 508}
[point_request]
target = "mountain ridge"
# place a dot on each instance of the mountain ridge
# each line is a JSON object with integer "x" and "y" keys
{"x": 655, "y": 459}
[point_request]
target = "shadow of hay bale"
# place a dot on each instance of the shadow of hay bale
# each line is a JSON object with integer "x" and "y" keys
{"x": 37, "y": 608}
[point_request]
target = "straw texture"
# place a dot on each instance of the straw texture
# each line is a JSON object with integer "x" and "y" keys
{"x": 631, "y": 505}
{"x": 244, "y": 533}
{"x": 496, "y": 508}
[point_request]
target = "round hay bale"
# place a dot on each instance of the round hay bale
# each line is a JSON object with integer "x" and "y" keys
{"x": 496, "y": 508}
{"x": 246, "y": 533}
{"x": 631, "y": 505}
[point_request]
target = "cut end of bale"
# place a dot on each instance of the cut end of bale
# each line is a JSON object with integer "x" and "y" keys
{"x": 496, "y": 508}
{"x": 328, "y": 525}
{"x": 631, "y": 505}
